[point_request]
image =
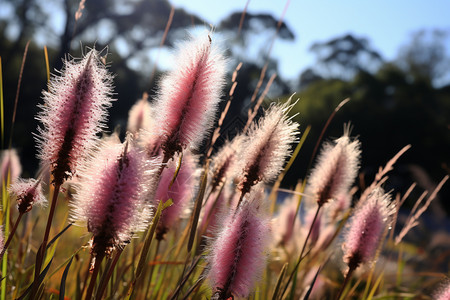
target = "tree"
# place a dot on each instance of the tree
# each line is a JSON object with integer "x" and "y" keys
{"x": 344, "y": 56}
{"x": 425, "y": 57}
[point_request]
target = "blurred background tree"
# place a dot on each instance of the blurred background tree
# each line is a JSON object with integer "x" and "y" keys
{"x": 394, "y": 103}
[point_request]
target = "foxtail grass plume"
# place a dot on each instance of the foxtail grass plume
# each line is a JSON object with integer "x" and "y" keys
{"x": 215, "y": 205}
{"x": 443, "y": 292}
{"x": 366, "y": 228}
{"x": 189, "y": 95}
{"x": 180, "y": 191}
{"x": 28, "y": 192}
{"x": 224, "y": 162}
{"x": 110, "y": 195}
{"x": 238, "y": 255}
{"x": 267, "y": 146}
{"x": 140, "y": 116}
{"x": 10, "y": 164}
{"x": 341, "y": 204}
{"x": 335, "y": 170}
{"x": 287, "y": 223}
{"x": 74, "y": 111}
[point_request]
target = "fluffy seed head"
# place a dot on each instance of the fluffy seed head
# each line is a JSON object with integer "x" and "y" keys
{"x": 10, "y": 163}
{"x": 335, "y": 170}
{"x": 215, "y": 205}
{"x": 284, "y": 227}
{"x": 224, "y": 162}
{"x": 74, "y": 111}
{"x": 238, "y": 254}
{"x": 140, "y": 116}
{"x": 366, "y": 228}
{"x": 443, "y": 292}
{"x": 180, "y": 191}
{"x": 110, "y": 194}
{"x": 267, "y": 146}
{"x": 28, "y": 193}
{"x": 189, "y": 95}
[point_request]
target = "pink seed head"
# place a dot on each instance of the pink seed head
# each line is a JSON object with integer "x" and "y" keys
{"x": 238, "y": 253}
{"x": 337, "y": 208}
{"x": 74, "y": 111}
{"x": 443, "y": 292}
{"x": 335, "y": 170}
{"x": 224, "y": 162}
{"x": 267, "y": 146}
{"x": 10, "y": 164}
{"x": 211, "y": 212}
{"x": 180, "y": 191}
{"x": 285, "y": 227}
{"x": 28, "y": 192}
{"x": 364, "y": 232}
{"x": 140, "y": 116}
{"x": 189, "y": 95}
{"x": 110, "y": 194}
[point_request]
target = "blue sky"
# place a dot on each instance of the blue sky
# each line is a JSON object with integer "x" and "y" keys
{"x": 387, "y": 24}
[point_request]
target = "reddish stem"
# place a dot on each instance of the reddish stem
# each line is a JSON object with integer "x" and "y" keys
{"x": 98, "y": 262}
{"x": 101, "y": 288}
{"x": 346, "y": 281}
{"x": 11, "y": 235}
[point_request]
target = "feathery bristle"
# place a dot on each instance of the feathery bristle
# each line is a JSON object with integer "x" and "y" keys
{"x": 180, "y": 191}
{"x": 284, "y": 226}
{"x": 267, "y": 146}
{"x": 140, "y": 117}
{"x": 74, "y": 111}
{"x": 224, "y": 162}
{"x": 364, "y": 232}
{"x": 110, "y": 194}
{"x": 10, "y": 162}
{"x": 443, "y": 292}
{"x": 28, "y": 193}
{"x": 238, "y": 254}
{"x": 335, "y": 170}
{"x": 189, "y": 95}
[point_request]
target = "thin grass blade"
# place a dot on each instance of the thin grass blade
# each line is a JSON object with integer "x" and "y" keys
{"x": 279, "y": 281}
{"x": 40, "y": 279}
{"x": 62, "y": 287}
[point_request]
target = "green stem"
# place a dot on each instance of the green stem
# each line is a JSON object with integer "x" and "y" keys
{"x": 152, "y": 268}
{"x": 41, "y": 254}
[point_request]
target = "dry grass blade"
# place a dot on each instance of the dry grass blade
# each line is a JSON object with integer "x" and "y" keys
{"x": 47, "y": 65}
{"x": 252, "y": 113}
{"x": 216, "y": 132}
{"x": 241, "y": 21}
{"x": 415, "y": 215}
{"x": 16, "y": 100}
{"x": 163, "y": 39}
{"x": 380, "y": 176}
{"x": 322, "y": 133}
{"x": 264, "y": 69}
